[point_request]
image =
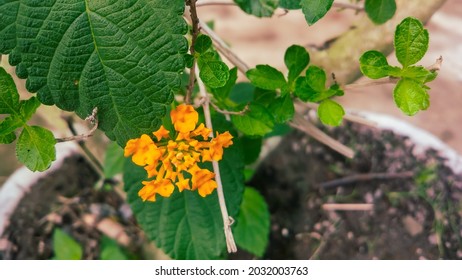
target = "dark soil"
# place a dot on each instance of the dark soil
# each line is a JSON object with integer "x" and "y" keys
{"x": 412, "y": 218}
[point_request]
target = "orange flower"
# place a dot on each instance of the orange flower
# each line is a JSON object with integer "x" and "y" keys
{"x": 169, "y": 161}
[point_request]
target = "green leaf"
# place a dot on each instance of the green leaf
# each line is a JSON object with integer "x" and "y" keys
{"x": 10, "y": 124}
{"x": 242, "y": 93}
{"x": 314, "y": 10}
{"x": 251, "y": 148}
{"x": 266, "y": 77}
{"x": 124, "y": 57}
{"x": 186, "y": 225}
{"x": 9, "y": 97}
{"x": 253, "y": 223}
{"x": 380, "y": 11}
{"x": 203, "y": 43}
{"x": 374, "y": 65}
{"x": 28, "y": 107}
{"x": 214, "y": 73}
{"x": 36, "y": 148}
{"x": 296, "y": 59}
{"x": 222, "y": 93}
{"x": 411, "y": 41}
{"x": 65, "y": 247}
{"x": 310, "y": 87}
{"x": 257, "y": 121}
{"x": 113, "y": 160}
{"x": 263, "y": 96}
{"x": 410, "y": 97}
{"x": 259, "y": 8}
{"x": 282, "y": 109}
{"x": 110, "y": 250}
{"x": 7, "y": 138}
{"x": 290, "y": 4}
{"x": 330, "y": 112}
{"x": 419, "y": 74}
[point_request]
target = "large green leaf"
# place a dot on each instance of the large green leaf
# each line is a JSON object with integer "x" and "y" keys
{"x": 411, "y": 41}
{"x": 259, "y": 8}
{"x": 253, "y": 223}
{"x": 410, "y": 96}
{"x": 379, "y": 11}
{"x": 314, "y": 10}
{"x": 36, "y": 148}
{"x": 186, "y": 225}
{"x": 124, "y": 57}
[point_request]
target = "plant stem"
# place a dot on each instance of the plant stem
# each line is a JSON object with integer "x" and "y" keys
{"x": 227, "y": 220}
{"x": 194, "y": 34}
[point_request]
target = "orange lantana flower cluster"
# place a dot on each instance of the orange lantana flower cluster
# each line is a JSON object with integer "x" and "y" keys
{"x": 170, "y": 161}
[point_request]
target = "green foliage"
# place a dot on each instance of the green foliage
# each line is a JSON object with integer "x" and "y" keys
{"x": 65, "y": 247}
{"x": 36, "y": 148}
{"x": 186, "y": 225}
{"x": 213, "y": 72}
{"x": 253, "y": 223}
{"x": 330, "y": 112}
{"x": 296, "y": 59}
{"x": 110, "y": 250}
{"x": 290, "y": 4}
{"x": 203, "y": 43}
{"x": 380, "y": 11}
{"x": 251, "y": 147}
{"x": 266, "y": 77}
{"x": 257, "y": 121}
{"x": 411, "y": 43}
{"x": 314, "y": 10}
{"x": 259, "y": 8}
{"x": 124, "y": 58}
{"x": 36, "y": 145}
{"x": 113, "y": 160}
{"x": 282, "y": 109}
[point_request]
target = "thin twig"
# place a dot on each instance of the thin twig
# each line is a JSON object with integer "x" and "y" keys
{"x": 348, "y": 207}
{"x": 227, "y": 220}
{"x": 365, "y": 177}
{"x": 305, "y": 126}
{"x": 80, "y": 138}
{"x": 369, "y": 83}
{"x": 225, "y": 112}
{"x": 194, "y": 34}
{"x": 223, "y": 48}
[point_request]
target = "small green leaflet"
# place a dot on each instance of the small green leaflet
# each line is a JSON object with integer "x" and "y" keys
{"x": 259, "y": 8}
{"x": 65, "y": 247}
{"x": 411, "y": 41}
{"x": 296, "y": 59}
{"x": 266, "y": 77}
{"x": 314, "y": 10}
{"x": 253, "y": 223}
{"x": 374, "y": 65}
{"x": 410, "y": 96}
{"x": 9, "y": 97}
{"x": 203, "y": 43}
{"x": 380, "y": 11}
{"x": 213, "y": 72}
{"x": 282, "y": 109}
{"x": 257, "y": 121}
{"x": 36, "y": 148}
{"x": 312, "y": 87}
{"x": 330, "y": 112}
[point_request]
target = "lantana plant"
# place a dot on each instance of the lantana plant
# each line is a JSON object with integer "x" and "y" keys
{"x": 150, "y": 74}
